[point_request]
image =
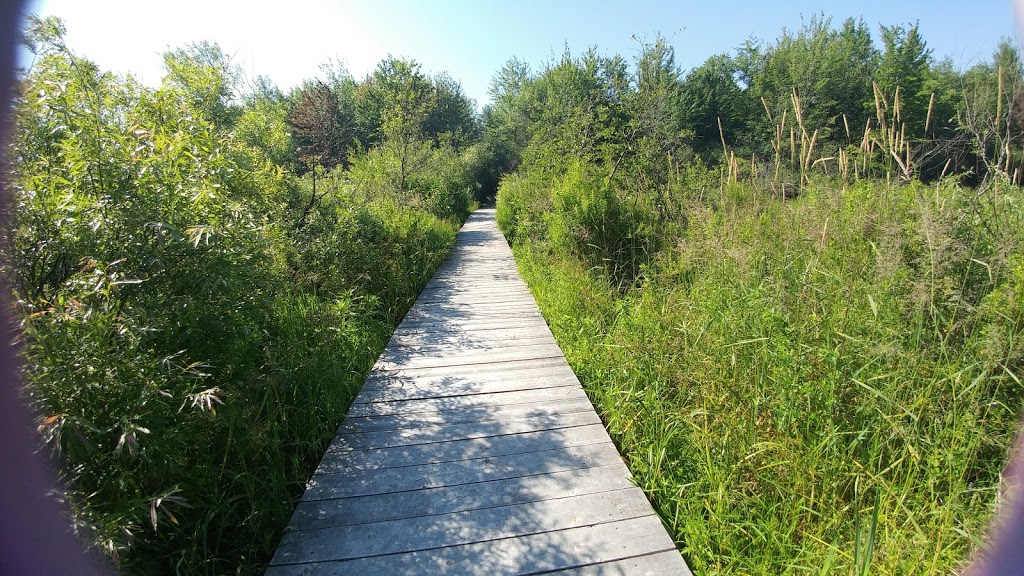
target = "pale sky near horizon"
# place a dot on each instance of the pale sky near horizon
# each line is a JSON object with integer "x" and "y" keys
{"x": 288, "y": 41}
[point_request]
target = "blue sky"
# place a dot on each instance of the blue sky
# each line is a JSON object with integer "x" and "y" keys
{"x": 287, "y": 41}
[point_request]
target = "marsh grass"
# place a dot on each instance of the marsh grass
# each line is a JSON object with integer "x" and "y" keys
{"x": 826, "y": 384}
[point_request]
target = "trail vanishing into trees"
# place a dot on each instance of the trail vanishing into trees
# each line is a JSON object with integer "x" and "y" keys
{"x": 790, "y": 280}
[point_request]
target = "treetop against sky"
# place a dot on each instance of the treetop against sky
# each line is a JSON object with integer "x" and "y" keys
{"x": 288, "y": 41}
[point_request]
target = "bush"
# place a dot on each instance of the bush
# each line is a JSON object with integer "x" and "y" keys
{"x": 194, "y": 322}
{"x": 593, "y": 222}
{"x": 795, "y": 368}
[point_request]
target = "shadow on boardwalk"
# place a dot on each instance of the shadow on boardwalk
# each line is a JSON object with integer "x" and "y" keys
{"x": 472, "y": 449}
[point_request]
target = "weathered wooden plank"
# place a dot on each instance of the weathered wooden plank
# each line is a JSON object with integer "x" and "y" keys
{"x": 354, "y": 510}
{"x": 496, "y": 369}
{"x": 445, "y": 343}
{"x": 340, "y": 461}
{"x": 410, "y": 357}
{"x": 481, "y": 291}
{"x": 476, "y": 274}
{"x": 483, "y": 278}
{"x": 488, "y": 328}
{"x": 463, "y": 311}
{"x": 473, "y": 414}
{"x": 467, "y": 326}
{"x": 480, "y": 330}
{"x": 571, "y": 391}
{"x": 478, "y": 305}
{"x": 466, "y": 431}
{"x": 469, "y": 337}
{"x": 465, "y": 348}
{"x": 411, "y": 534}
{"x": 461, "y": 315}
{"x": 658, "y": 564}
{"x": 530, "y": 554}
{"x": 383, "y": 481}
{"x": 464, "y": 317}
{"x": 474, "y": 266}
{"x": 411, "y": 388}
{"x": 471, "y": 294}
{"x": 473, "y": 297}
{"x": 400, "y": 357}
{"x": 457, "y": 387}
{"x": 410, "y": 361}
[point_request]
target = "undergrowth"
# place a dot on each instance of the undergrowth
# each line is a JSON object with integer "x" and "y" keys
{"x": 824, "y": 384}
{"x": 195, "y": 318}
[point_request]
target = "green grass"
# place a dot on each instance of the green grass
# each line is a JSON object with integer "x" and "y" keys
{"x": 824, "y": 385}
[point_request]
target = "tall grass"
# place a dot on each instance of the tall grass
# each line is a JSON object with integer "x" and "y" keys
{"x": 825, "y": 384}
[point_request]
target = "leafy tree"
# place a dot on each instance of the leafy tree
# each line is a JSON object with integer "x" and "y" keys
{"x": 396, "y": 91}
{"x": 710, "y": 95}
{"x": 139, "y": 256}
{"x": 507, "y": 121}
{"x": 323, "y": 133}
{"x": 658, "y": 94}
{"x": 652, "y": 110}
{"x": 992, "y": 114}
{"x": 829, "y": 70}
{"x": 904, "y": 65}
{"x": 263, "y": 124}
{"x": 407, "y": 98}
{"x": 452, "y": 115}
{"x": 322, "y": 129}
{"x": 571, "y": 112}
{"x": 189, "y": 351}
{"x": 208, "y": 78}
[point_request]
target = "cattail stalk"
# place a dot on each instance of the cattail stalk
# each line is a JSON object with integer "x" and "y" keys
{"x": 721, "y": 133}
{"x": 928, "y": 119}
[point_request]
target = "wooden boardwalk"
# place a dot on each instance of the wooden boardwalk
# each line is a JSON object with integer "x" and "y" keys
{"x": 472, "y": 449}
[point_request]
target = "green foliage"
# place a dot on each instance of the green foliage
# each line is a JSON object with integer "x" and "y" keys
{"x": 574, "y": 110}
{"x": 579, "y": 214}
{"x": 829, "y": 381}
{"x": 522, "y": 203}
{"x": 819, "y": 377}
{"x": 824, "y": 97}
{"x": 710, "y": 96}
{"x": 903, "y": 65}
{"x": 418, "y": 132}
{"x": 991, "y": 114}
{"x": 263, "y": 124}
{"x": 655, "y": 113}
{"x": 829, "y": 69}
{"x": 440, "y": 180}
{"x": 830, "y": 373}
{"x": 194, "y": 319}
{"x": 506, "y": 121}
{"x": 452, "y": 115}
{"x": 207, "y": 78}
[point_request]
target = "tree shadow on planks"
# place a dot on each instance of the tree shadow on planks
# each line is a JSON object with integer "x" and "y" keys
{"x": 472, "y": 449}
{"x": 466, "y": 317}
{"x": 464, "y": 480}
{"x": 480, "y": 341}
